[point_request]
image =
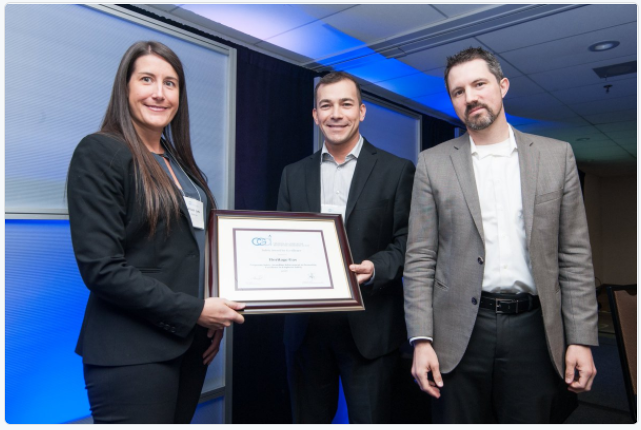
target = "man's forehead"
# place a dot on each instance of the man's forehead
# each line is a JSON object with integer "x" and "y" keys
{"x": 344, "y": 89}
{"x": 474, "y": 69}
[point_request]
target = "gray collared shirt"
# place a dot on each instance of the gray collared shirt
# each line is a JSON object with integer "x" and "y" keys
{"x": 336, "y": 179}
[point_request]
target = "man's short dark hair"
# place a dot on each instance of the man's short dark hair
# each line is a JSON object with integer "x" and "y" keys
{"x": 470, "y": 54}
{"x": 332, "y": 78}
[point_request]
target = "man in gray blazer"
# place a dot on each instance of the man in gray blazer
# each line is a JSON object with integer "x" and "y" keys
{"x": 499, "y": 286}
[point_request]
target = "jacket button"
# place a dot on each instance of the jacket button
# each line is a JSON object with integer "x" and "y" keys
{"x": 480, "y": 260}
{"x": 474, "y": 301}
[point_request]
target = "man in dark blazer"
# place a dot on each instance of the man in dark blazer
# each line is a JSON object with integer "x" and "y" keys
{"x": 371, "y": 189}
{"x": 499, "y": 287}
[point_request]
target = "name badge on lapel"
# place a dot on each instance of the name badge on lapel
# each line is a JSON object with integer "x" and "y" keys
{"x": 196, "y": 212}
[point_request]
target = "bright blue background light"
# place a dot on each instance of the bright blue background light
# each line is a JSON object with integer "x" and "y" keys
{"x": 45, "y": 300}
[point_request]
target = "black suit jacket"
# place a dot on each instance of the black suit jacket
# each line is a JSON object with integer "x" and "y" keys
{"x": 143, "y": 303}
{"x": 376, "y": 218}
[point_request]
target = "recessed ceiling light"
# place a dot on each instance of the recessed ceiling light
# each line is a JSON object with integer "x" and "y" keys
{"x": 581, "y": 139}
{"x": 603, "y": 46}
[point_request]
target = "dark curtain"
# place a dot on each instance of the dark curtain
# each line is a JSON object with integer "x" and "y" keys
{"x": 274, "y": 127}
{"x": 435, "y": 131}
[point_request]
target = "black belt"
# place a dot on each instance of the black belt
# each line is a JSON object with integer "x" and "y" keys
{"x": 509, "y": 303}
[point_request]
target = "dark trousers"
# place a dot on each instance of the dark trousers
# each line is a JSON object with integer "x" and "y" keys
{"x": 327, "y": 352}
{"x": 153, "y": 393}
{"x": 506, "y": 374}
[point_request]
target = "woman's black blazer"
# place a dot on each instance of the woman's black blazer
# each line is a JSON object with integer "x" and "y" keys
{"x": 143, "y": 303}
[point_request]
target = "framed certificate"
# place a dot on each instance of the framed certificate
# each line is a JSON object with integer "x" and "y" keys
{"x": 282, "y": 262}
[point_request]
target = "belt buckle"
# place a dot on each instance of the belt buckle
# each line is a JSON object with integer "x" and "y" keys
{"x": 506, "y": 301}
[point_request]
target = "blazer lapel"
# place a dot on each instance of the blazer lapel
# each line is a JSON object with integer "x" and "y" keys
{"x": 364, "y": 165}
{"x": 312, "y": 184}
{"x": 462, "y": 160}
{"x": 529, "y": 170}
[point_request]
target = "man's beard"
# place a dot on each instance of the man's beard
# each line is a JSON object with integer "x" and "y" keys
{"x": 479, "y": 122}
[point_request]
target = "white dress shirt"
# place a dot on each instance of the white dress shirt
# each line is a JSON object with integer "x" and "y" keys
{"x": 498, "y": 181}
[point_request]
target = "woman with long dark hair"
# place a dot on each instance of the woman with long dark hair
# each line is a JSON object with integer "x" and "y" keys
{"x": 138, "y": 209}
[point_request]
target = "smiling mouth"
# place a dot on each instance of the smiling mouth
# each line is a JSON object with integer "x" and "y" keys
{"x": 156, "y": 108}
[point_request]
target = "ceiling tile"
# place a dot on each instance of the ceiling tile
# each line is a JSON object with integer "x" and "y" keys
{"x": 591, "y": 146}
{"x": 588, "y": 93}
{"x": 610, "y": 117}
{"x": 622, "y": 134}
{"x": 560, "y": 131}
{"x": 522, "y": 86}
{"x": 606, "y": 104}
{"x": 561, "y": 25}
{"x": 606, "y": 152}
{"x": 374, "y": 22}
{"x": 538, "y": 106}
{"x": 579, "y": 75}
{"x": 618, "y": 126}
{"x": 574, "y": 50}
{"x": 627, "y": 142}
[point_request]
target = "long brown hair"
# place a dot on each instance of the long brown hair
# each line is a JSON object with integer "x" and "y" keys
{"x": 158, "y": 195}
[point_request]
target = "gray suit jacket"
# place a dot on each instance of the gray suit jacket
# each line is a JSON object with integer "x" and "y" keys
{"x": 445, "y": 248}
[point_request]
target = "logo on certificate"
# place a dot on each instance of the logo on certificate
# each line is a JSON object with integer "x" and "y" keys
{"x": 262, "y": 241}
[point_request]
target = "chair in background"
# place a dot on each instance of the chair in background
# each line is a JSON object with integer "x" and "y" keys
{"x": 623, "y": 303}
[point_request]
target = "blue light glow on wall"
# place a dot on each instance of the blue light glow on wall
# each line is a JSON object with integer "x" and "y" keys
{"x": 45, "y": 300}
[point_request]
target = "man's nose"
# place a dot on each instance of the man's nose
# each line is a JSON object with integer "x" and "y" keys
{"x": 471, "y": 97}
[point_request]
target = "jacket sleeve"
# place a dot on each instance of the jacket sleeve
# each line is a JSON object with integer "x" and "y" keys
{"x": 576, "y": 274}
{"x": 420, "y": 259}
{"x": 389, "y": 262}
{"x": 99, "y": 181}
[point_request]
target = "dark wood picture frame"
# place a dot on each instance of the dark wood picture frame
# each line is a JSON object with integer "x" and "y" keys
{"x": 279, "y": 304}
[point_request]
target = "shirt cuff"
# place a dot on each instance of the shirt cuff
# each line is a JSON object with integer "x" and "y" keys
{"x": 414, "y": 339}
{"x": 370, "y": 281}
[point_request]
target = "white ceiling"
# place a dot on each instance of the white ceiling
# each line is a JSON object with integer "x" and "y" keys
{"x": 399, "y": 52}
